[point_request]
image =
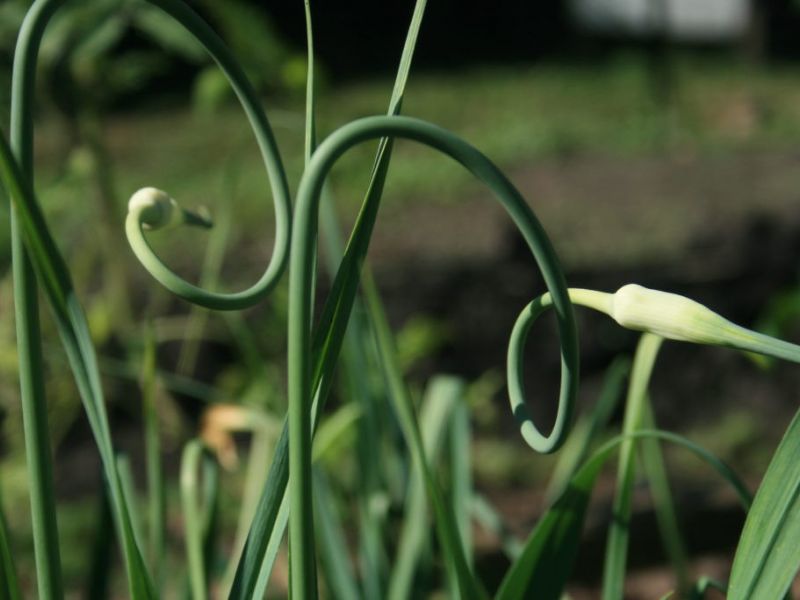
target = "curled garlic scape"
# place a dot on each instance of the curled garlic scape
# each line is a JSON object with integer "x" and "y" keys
{"x": 670, "y": 316}
{"x": 676, "y": 317}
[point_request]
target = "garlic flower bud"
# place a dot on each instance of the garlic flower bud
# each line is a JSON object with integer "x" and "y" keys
{"x": 158, "y": 210}
{"x": 669, "y": 315}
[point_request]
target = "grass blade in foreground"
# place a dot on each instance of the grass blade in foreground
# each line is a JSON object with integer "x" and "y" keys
{"x": 156, "y": 495}
{"x": 333, "y": 323}
{"x": 198, "y": 507}
{"x": 586, "y": 431}
{"x": 438, "y": 405}
{"x": 333, "y": 556}
{"x": 54, "y": 276}
{"x": 617, "y": 543}
{"x": 768, "y": 554}
{"x": 9, "y": 586}
{"x": 542, "y": 570}
{"x": 655, "y": 471}
{"x": 446, "y": 526}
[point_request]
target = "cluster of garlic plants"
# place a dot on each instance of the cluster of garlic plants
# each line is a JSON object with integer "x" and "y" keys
{"x": 767, "y": 557}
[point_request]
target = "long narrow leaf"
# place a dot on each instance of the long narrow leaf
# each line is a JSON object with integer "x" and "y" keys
{"x": 460, "y": 467}
{"x": 9, "y": 585}
{"x": 588, "y": 428}
{"x": 330, "y": 333}
{"x": 439, "y": 402}
{"x": 666, "y": 512}
{"x": 446, "y": 526}
{"x": 99, "y": 577}
{"x": 198, "y": 503}
{"x": 156, "y": 496}
{"x": 542, "y": 569}
{"x": 74, "y": 332}
{"x": 333, "y": 546}
{"x": 768, "y": 555}
{"x": 617, "y": 543}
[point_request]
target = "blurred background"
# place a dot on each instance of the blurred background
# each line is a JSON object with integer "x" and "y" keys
{"x": 657, "y": 140}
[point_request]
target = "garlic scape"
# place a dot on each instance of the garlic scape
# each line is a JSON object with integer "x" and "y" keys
{"x": 676, "y": 317}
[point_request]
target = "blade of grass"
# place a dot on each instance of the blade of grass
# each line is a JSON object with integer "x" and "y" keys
{"x": 460, "y": 467}
{"x": 617, "y": 542}
{"x": 588, "y": 428}
{"x": 327, "y": 342}
{"x": 346, "y": 418}
{"x": 542, "y": 569}
{"x": 273, "y": 547}
{"x": 358, "y": 372}
{"x": 446, "y": 526}
{"x": 333, "y": 545}
{"x": 74, "y": 332}
{"x": 9, "y": 583}
{"x": 440, "y": 399}
{"x": 99, "y": 578}
{"x": 194, "y": 525}
{"x": 29, "y": 352}
{"x": 131, "y": 500}
{"x": 768, "y": 555}
{"x": 704, "y": 584}
{"x": 51, "y": 269}
{"x": 156, "y": 496}
{"x": 485, "y": 514}
{"x": 262, "y": 442}
{"x": 666, "y": 513}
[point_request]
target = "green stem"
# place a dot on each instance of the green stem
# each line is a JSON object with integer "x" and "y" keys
{"x": 635, "y": 409}
{"x": 53, "y": 272}
{"x": 156, "y": 496}
{"x": 192, "y": 514}
{"x": 29, "y": 355}
{"x": 304, "y": 236}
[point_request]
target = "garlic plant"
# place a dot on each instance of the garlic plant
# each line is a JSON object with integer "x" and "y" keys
{"x": 544, "y": 563}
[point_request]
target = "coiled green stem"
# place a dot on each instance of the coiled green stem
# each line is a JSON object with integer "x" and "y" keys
{"x": 272, "y": 162}
{"x": 304, "y": 234}
{"x": 31, "y": 379}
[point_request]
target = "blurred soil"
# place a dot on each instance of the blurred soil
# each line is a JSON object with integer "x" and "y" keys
{"x": 724, "y": 230}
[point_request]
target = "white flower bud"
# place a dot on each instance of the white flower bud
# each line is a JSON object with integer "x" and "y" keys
{"x": 669, "y": 315}
{"x": 156, "y": 208}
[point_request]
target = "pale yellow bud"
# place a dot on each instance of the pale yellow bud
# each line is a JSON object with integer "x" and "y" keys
{"x": 671, "y": 316}
{"x": 156, "y": 208}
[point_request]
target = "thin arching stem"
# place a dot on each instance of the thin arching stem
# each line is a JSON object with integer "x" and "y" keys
{"x": 304, "y": 234}
{"x": 23, "y": 101}
{"x": 272, "y": 162}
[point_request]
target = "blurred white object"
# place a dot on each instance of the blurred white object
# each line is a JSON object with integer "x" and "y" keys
{"x": 690, "y": 20}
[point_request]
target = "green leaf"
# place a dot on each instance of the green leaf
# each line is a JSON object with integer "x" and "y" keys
{"x": 441, "y": 397}
{"x": 199, "y": 486}
{"x": 327, "y": 342}
{"x": 446, "y": 525}
{"x": 768, "y": 555}
{"x": 666, "y": 512}
{"x": 156, "y": 496}
{"x": 54, "y": 276}
{"x": 332, "y": 543}
{"x": 542, "y": 569}
{"x": 9, "y": 585}
{"x": 635, "y": 408}
{"x": 588, "y": 428}
{"x": 168, "y": 33}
